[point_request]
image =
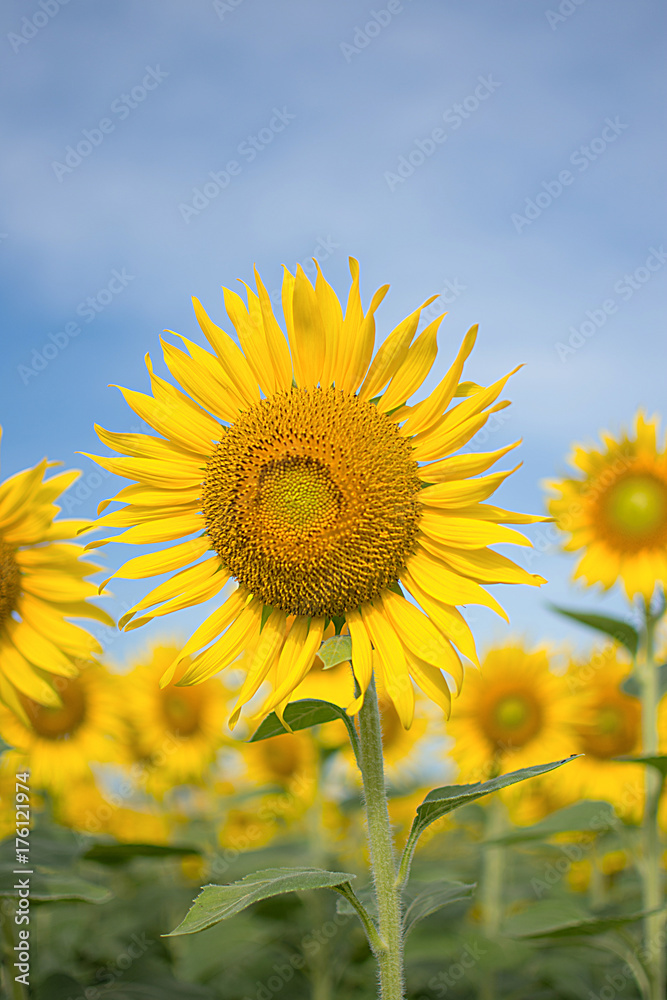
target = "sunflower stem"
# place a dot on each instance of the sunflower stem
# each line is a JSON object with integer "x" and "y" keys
{"x": 651, "y": 871}
{"x": 491, "y": 894}
{"x": 383, "y": 862}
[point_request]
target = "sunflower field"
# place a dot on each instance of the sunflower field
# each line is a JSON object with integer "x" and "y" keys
{"x": 333, "y": 620}
{"x": 287, "y": 748}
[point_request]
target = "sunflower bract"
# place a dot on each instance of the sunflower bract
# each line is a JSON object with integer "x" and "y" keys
{"x": 294, "y": 469}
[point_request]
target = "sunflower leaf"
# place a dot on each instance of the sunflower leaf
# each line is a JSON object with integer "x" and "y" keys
{"x": 46, "y": 886}
{"x": 442, "y": 801}
{"x": 588, "y": 816}
{"x": 433, "y": 897}
{"x": 219, "y": 902}
{"x": 337, "y": 649}
{"x": 118, "y": 854}
{"x": 631, "y": 683}
{"x": 656, "y": 761}
{"x": 619, "y": 630}
{"x": 562, "y": 918}
{"x": 303, "y": 715}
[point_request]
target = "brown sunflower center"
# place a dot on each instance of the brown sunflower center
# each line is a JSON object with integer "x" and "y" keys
{"x": 59, "y": 723}
{"x": 311, "y": 501}
{"x": 181, "y": 709}
{"x": 10, "y": 582}
{"x": 635, "y": 510}
{"x": 614, "y": 728}
{"x": 512, "y": 719}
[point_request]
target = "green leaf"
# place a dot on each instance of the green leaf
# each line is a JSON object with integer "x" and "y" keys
{"x": 303, "y": 715}
{"x": 658, "y": 762}
{"x": 619, "y": 630}
{"x": 588, "y": 816}
{"x": 51, "y": 886}
{"x": 561, "y": 918}
{"x": 433, "y": 897}
{"x": 631, "y": 684}
{"x": 115, "y": 854}
{"x": 442, "y": 801}
{"x": 335, "y": 650}
{"x": 219, "y": 902}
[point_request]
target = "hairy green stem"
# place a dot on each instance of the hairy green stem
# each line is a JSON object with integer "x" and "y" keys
{"x": 383, "y": 864}
{"x": 652, "y": 891}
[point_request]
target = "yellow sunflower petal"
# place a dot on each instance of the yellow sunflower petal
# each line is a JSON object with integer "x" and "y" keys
{"x": 445, "y": 585}
{"x": 362, "y": 658}
{"x": 465, "y": 491}
{"x": 424, "y": 414}
{"x": 196, "y": 593}
{"x": 176, "y": 586}
{"x": 462, "y": 466}
{"x": 392, "y": 354}
{"x": 395, "y": 674}
{"x": 414, "y": 369}
{"x": 308, "y": 332}
{"x": 465, "y": 532}
{"x": 233, "y": 361}
{"x": 419, "y": 636}
{"x": 296, "y": 658}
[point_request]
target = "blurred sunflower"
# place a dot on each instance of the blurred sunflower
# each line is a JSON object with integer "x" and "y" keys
{"x": 85, "y": 808}
{"x": 514, "y": 713}
{"x": 321, "y": 498}
{"x": 289, "y": 761}
{"x": 617, "y": 510}
{"x": 42, "y": 583}
{"x": 58, "y": 744}
{"x": 607, "y": 725}
{"x": 176, "y": 732}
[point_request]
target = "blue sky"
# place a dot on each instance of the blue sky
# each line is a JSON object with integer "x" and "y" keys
{"x": 533, "y": 203}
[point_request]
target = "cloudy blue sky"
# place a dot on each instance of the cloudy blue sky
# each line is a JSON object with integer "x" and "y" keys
{"x": 508, "y": 155}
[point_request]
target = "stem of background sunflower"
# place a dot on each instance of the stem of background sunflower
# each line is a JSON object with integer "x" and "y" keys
{"x": 652, "y": 891}
{"x": 383, "y": 862}
{"x": 492, "y": 885}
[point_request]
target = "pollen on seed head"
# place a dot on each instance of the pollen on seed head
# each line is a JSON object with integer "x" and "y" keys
{"x": 311, "y": 501}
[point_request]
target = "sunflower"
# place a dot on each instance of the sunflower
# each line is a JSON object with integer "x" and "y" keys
{"x": 607, "y": 724}
{"x": 86, "y": 809}
{"x": 307, "y": 479}
{"x": 58, "y": 743}
{"x": 42, "y": 583}
{"x": 617, "y": 510}
{"x": 175, "y": 732}
{"x": 514, "y": 713}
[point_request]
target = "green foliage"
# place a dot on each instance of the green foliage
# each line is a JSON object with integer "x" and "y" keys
{"x": 619, "y": 630}
{"x": 335, "y": 650}
{"x": 587, "y": 816}
{"x": 432, "y": 898}
{"x": 219, "y": 902}
{"x": 303, "y": 715}
{"x": 565, "y": 918}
